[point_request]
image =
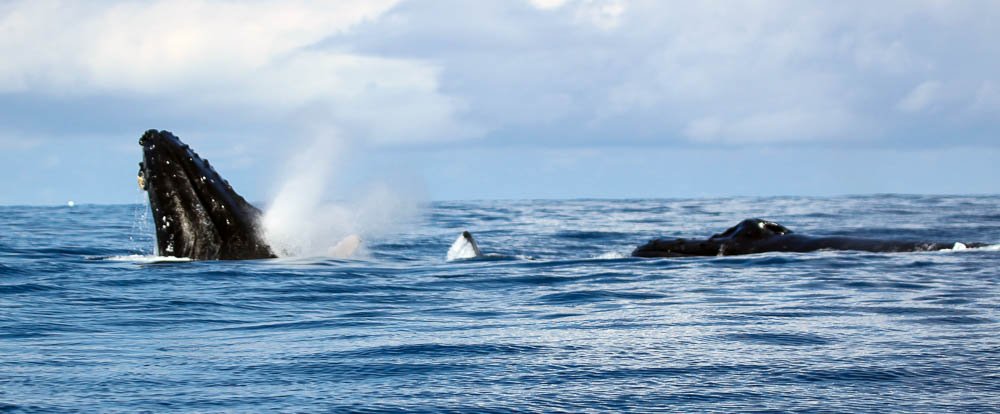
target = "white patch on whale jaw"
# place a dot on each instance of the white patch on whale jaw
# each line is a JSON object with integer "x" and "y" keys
{"x": 464, "y": 247}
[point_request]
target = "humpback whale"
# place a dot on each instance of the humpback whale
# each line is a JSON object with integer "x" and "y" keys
{"x": 196, "y": 212}
{"x": 758, "y": 236}
{"x": 464, "y": 247}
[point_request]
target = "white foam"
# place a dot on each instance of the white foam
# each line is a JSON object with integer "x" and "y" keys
{"x": 960, "y": 247}
{"x": 612, "y": 255}
{"x": 138, "y": 258}
{"x": 987, "y": 248}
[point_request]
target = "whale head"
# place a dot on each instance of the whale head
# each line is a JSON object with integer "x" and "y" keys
{"x": 752, "y": 229}
{"x": 196, "y": 212}
{"x": 739, "y": 239}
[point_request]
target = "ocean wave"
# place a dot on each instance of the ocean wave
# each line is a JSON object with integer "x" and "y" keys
{"x": 560, "y": 319}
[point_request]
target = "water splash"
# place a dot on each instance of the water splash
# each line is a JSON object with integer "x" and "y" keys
{"x": 300, "y": 222}
{"x": 142, "y": 226}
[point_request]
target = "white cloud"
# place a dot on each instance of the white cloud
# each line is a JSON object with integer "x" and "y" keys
{"x": 712, "y": 71}
{"x": 574, "y": 70}
{"x": 547, "y": 4}
{"x": 215, "y": 56}
{"x": 603, "y": 14}
{"x": 920, "y": 97}
{"x": 155, "y": 46}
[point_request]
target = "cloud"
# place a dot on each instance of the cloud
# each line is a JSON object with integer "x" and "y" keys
{"x": 603, "y": 14}
{"x": 535, "y": 72}
{"x": 702, "y": 73}
{"x": 237, "y": 61}
{"x": 922, "y": 96}
{"x": 548, "y": 4}
{"x": 158, "y": 46}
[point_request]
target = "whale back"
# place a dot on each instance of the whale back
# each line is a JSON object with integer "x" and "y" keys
{"x": 759, "y": 236}
{"x": 752, "y": 229}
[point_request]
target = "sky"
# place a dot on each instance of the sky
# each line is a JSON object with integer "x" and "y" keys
{"x": 453, "y": 99}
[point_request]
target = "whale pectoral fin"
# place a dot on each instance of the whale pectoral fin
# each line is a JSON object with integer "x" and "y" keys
{"x": 346, "y": 247}
{"x": 464, "y": 247}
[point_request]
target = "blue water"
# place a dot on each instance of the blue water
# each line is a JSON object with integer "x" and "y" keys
{"x": 561, "y": 321}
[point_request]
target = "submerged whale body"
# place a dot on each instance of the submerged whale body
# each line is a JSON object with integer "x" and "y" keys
{"x": 196, "y": 212}
{"x": 759, "y": 236}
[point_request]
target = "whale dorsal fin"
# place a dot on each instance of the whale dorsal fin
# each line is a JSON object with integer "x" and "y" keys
{"x": 464, "y": 247}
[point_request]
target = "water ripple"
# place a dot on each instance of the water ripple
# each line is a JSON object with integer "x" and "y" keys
{"x": 554, "y": 320}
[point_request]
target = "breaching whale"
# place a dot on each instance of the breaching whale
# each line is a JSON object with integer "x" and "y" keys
{"x": 196, "y": 212}
{"x": 759, "y": 236}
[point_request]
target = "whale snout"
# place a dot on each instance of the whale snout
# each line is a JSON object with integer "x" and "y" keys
{"x": 148, "y": 137}
{"x": 153, "y": 138}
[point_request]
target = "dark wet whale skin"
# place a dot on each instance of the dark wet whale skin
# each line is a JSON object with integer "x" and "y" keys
{"x": 759, "y": 236}
{"x": 196, "y": 212}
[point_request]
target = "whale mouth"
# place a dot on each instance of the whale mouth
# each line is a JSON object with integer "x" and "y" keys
{"x": 196, "y": 212}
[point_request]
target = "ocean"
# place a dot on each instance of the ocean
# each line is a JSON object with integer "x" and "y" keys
{"x": 557, "y": 317}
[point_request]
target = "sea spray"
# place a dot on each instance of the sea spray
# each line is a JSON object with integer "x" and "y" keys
{"x": 289, "y": 225}
{"x": 300, "y": 221}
